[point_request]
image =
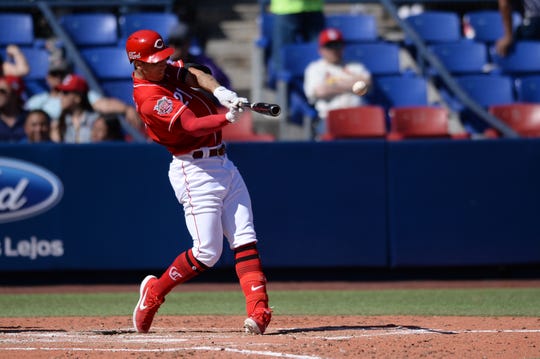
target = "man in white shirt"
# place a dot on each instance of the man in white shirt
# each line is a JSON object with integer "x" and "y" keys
{"x": 328, "y": 81}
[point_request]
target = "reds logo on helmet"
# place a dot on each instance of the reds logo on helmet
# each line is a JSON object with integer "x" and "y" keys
{"x": 147, "y": 46}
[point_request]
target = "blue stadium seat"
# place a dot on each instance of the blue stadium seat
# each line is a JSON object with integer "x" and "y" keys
{"x": 108, "y": 62}
{"x": 486, "y": 25}
{"x": 16, "y": 28}
{"x": 436, "y": 26}
{"x": 528, "y": 89}
{"x": 523, "y": 60}
{"x": 160, "y": 22}
{"x": 355, "y": 27}
{"x": 121, "y": 89}
{"x": 38, "y": 61}
{"x": 91, "y": 29}
{"x": 486, "y": 90}
{"x": 296, "y": 57}
{"x": 400, "y": 90}
{"x": 462, "y": 57}
{"x": 381, "y": 58}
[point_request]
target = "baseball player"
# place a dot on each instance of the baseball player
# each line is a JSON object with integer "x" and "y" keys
{"x": 216, "y": 202}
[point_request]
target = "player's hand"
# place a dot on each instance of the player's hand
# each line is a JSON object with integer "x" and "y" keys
{"x": 239, "y": 103}
{"x": 233, "y": 114}
{"x": 227, "y": 97}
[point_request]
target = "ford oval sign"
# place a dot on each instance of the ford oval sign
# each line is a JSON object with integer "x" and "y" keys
{"x": 26, "y": 190}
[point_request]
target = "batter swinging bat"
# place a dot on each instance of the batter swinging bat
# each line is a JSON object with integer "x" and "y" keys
{"x": 264, "y": 108}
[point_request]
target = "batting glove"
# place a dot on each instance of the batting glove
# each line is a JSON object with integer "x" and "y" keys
{"x": 239, "y": 103}
{"x": 233, "y": 115}
{"x": 228, "y": 98}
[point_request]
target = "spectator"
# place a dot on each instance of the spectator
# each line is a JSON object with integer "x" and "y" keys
{"x": 294, "y": 21}
{"x": 12, "y": 115}
{"x": 180, "y": 40}
{"x": 107, "y": 128}
{"x": 15, "y": 64}
{"x": 37, "y": 127}
{"x": 51, "y": 103}
{"x": 528, "y": 30}
{"x": 328, "y": 81}
{"x": 75, "y": 122}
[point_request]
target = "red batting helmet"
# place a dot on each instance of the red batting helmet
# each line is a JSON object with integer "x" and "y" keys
{"x": 147, "y": 46}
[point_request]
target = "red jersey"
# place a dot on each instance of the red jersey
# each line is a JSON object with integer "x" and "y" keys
{"x": 175, "y": 115}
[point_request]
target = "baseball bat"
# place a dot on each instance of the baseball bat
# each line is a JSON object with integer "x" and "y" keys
{"x": 270, "y": 109}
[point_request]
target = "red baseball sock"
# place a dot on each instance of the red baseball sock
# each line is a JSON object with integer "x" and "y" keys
{"x": 252, "y": 280}
{"x": 182, "y": 269}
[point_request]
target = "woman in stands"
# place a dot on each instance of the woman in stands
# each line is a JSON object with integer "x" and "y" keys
{"x": 77, "y": 118}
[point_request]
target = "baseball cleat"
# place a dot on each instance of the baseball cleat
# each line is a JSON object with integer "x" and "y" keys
{"x": 258, "y": 321}
{"x": 147, "y": 307}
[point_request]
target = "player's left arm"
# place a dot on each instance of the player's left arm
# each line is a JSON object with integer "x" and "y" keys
{"x": 195, "y": 76}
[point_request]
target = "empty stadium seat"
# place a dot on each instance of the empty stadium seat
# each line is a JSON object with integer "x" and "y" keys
{"x": 108, "y": 62}
{"x": 524, "y": 118}
{"x": 242, "y": 131}
{"x": 488, "y": 90}
{"x": 420, "y": 122}
{"x": 461, "y": 57}
{"x": 380, "y": 58}
{"x": 400, "y": 90}
{"x": 160, "y": 22}
{"x": 528, "y": 88}
{"x": 354, "y": 27}
{"x": 17, "y": 29}
{"x": 91, "y": 29}
{"x": 355, "y": 122}
{"x": 121, "y": 89}
{"x": 485, "y": 25}
{"x": 436, "y": 26}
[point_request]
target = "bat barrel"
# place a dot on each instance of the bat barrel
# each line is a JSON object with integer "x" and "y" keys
{"x": 265, "y": 108}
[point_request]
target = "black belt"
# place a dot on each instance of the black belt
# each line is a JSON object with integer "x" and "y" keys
{"x": 219, "y": 151}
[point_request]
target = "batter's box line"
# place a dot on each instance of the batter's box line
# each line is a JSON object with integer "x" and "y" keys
{"x": 414, "y": 328}
{"x": 19, "y": 329}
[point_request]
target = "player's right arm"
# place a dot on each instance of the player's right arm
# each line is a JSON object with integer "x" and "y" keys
{"x": 172, "y": 117}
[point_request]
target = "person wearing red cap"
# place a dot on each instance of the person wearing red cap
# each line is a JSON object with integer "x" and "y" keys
{"x": 175, "y": 104}
{"x": 12, "y": 116}
{"x": 50, "y": 101}
{"x": 328, "y": 81}
{"x": 78, "y": 116}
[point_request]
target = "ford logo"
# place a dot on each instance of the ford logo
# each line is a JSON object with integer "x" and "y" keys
{"x": 26, "y": 190}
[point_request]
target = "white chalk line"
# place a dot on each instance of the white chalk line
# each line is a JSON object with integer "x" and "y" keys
{"x": 172, "y": 338}
{"x": 202, "y": 348}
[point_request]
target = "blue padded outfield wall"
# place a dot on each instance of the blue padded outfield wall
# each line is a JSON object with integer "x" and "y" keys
{"x": 366, "y": 203}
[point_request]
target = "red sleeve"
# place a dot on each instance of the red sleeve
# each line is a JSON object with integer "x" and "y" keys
{"x": 200, "y": 126}
{"x": 168, "y": 115}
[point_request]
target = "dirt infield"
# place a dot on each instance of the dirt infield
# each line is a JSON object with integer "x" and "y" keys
{"x": 298, "y": 337}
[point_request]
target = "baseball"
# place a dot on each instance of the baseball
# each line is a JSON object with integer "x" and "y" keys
{"x": 359, "y": 88}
